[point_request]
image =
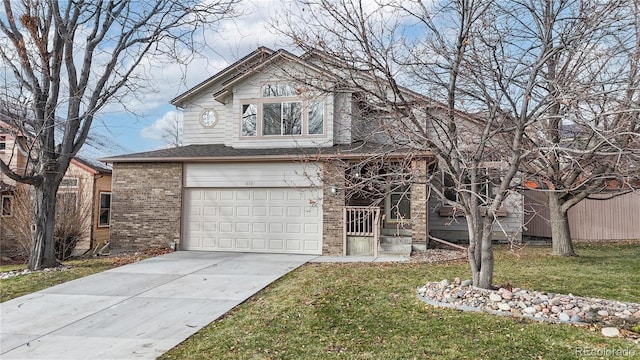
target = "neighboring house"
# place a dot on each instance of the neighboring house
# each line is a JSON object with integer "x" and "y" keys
{"x": 86, "y": 184}
{"x": 263, "y": 169}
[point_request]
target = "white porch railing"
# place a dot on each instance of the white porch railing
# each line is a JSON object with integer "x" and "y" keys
{"x": 361, "y": 221}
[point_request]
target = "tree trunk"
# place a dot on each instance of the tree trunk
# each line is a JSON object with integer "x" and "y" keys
{"x": 485, "y": 279}
{"x": 480, "y": 251}
{"x": 561, "y": 242}
{"x": 43, "y": 253}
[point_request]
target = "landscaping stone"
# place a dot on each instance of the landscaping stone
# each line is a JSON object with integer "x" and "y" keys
{"x": 533, "y": 304}
{"x": 530, "y": 310}
{"x": 610, "y": 332}
{"x": 564, "y": 317}
{"x": 10, "y": 274}
{"x": 466, "y": 283}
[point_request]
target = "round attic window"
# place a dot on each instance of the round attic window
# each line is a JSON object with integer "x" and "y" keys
{"x": 208, "y": 117}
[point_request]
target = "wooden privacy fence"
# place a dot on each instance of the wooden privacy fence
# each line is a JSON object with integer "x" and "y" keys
{"x": 362, "y": 221}
{"x": 616, "y": 218}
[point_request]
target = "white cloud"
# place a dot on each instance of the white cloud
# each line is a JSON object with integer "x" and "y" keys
{"x": 158, "y": 80}
{"x": 162, "y": 126}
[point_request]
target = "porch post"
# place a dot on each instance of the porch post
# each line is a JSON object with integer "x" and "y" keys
{"x": 419, "y": 206}
{"x": 333, "y": 225}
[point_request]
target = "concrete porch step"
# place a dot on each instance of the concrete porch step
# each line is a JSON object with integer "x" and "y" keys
{"x": 395, "y": 240}
{"x": 403, "y": 250}
{"x": 395, "y": 245}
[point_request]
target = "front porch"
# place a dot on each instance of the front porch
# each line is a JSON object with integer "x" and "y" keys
{"x": 390, "y": 220}
{"x": 367, "y": 232}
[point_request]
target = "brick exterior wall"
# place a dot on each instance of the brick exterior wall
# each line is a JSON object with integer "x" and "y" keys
{"x": 146, "y": 205}
{"x": 419, "y": 206}
{"x": 332, "y": 207}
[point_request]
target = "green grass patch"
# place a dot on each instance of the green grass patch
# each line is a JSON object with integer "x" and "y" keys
{"x": 370, "y": 311}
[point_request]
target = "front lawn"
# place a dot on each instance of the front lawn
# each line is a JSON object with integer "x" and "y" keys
{"x": 370, "y": 311}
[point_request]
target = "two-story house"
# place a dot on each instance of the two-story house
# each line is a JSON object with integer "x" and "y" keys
{"x": 265, "y": 168}
{"x": 86, "y": 186}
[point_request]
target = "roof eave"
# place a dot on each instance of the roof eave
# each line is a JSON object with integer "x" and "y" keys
{"x": 179, "y": 100}
{"x": 293, "y": 157}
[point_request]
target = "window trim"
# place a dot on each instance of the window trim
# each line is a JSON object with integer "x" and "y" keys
{"x": 100, "y": 208}
{"x": 213, "y": 112}
{"x": 405, "y": 195}
{"x": 72, "y": 186}
{"x": 2, "y": 207}
{"x": 260, "y": 101}
{"x": 449, "y": 211}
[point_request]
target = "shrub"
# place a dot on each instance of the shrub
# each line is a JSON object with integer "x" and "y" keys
{"x": 72, "y": 222}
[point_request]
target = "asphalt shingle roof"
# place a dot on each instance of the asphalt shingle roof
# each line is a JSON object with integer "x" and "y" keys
{"x": 219, "y": 152}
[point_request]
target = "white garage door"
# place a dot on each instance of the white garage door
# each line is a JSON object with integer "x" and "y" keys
{"x": 276, "y": 220}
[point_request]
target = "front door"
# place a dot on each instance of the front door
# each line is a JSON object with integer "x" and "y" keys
{"x": 398, "y": 205}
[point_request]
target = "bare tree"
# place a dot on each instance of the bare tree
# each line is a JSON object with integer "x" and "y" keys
{"x": 172, "y": 131}
{"x": 588, "y": 140}
{"x": 484, "y": 70}
{"x": 379, "y": 52}
{"x": 65, "y": 61}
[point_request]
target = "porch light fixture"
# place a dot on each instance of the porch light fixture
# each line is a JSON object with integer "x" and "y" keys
{"x": 334, "y": 189}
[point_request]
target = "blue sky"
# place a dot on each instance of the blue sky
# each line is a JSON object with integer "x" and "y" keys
{"x": 140, "y": 128}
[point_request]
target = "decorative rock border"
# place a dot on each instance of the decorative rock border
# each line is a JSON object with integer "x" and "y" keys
{"x": 12, "y": 273}
{"x": 534, "y": 305}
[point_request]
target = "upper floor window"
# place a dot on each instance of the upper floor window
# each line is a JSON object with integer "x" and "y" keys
{"x": 282, "y": 111}
{"x": 3, "y": 142}
{"x": 279, "y": 90}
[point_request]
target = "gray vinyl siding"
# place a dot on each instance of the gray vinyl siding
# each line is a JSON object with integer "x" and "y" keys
{"x": 450, "y": 228}
{"x": 193, "y": 131}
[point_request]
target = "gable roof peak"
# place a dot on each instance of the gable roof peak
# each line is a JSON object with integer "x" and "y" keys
{"x": 256, "y": 56}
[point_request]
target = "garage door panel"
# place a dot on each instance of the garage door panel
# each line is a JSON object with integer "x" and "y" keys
{"x": 253, "y": 220}
{"x": 242, "y": 227}
{"x": 260, "y": 228}
{"x": 294, "y": 245}
{"x": 276, "y": 228}
{"x": 259, "y": 211}
{"x": 242, "y": 244}
{"x": 311, "y": 228}
{"x": 209, "y": 195}
{"x": 243, "y": 194}
{"x": 276, "y": 244}
{"x": 243, "y": 211}
{"x": 259, "y": 244}
{"x": 311, "y": 212}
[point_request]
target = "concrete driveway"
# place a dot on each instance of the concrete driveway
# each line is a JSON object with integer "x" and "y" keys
{"x": 136, "y": 311}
